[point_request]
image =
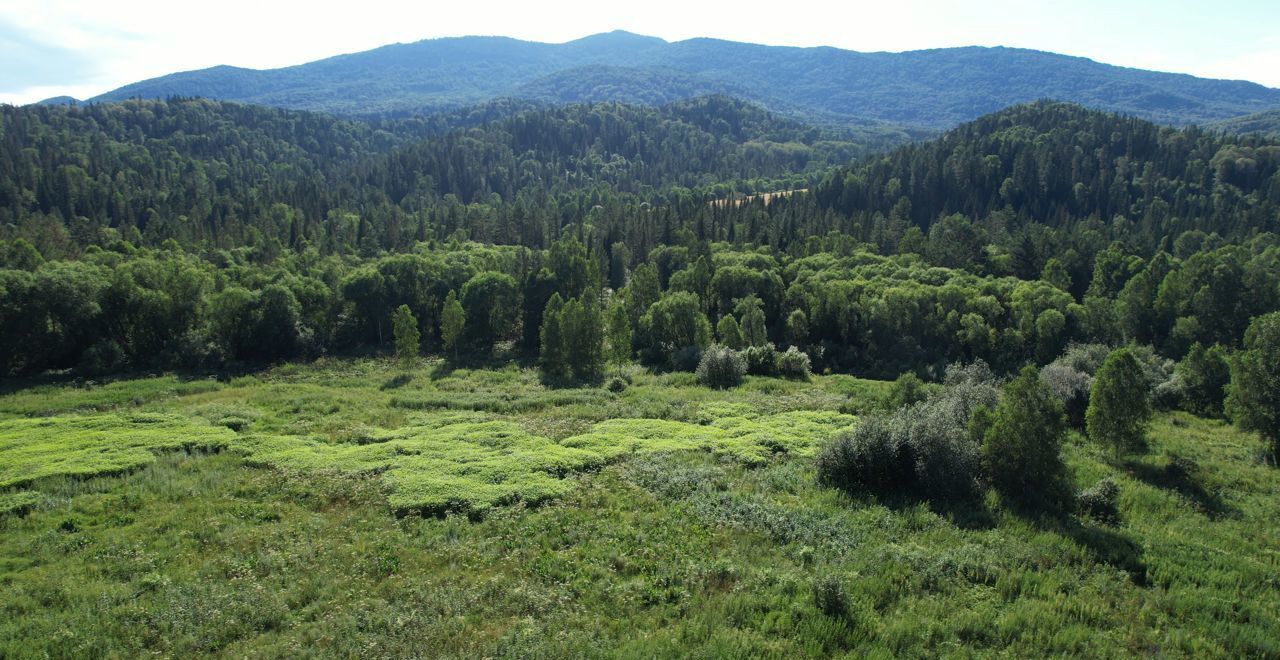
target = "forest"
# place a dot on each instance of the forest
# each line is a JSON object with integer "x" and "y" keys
{"x": 868, "y": 391}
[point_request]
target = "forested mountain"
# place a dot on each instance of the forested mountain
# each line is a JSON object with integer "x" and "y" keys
{"x": 929, "y": 89}
{"x": 1064, "y": 167}
{"x": 199, "y": 170}
{"x": 1266, "y": 122}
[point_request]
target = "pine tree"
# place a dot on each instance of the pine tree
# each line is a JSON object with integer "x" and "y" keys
{"x": 1119, "y": 408}
{"x": 405, "y": 327}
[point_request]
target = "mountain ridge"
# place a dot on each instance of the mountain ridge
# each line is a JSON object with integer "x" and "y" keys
{"x": 932, "y": 89}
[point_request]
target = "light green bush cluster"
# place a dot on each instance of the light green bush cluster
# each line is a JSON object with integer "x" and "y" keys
{"x": 457, "y": 462}
{"x": 93, "y": 445}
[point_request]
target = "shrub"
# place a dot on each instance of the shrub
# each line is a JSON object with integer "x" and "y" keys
{"x": 926, "y": 446}
{"x": 721, "y": 367}
{"x": 617, "y": 384}
{"x": 1169, "y": 394}
{"x": 1119, "y": 406}
{"x": 794, "y": 364}
{"x": 906, "y": 390}
{"x": 946, "y": 461}
{"x": 686, "y": 359}
{"x": 1099, "y": 501}
{"x": 761, "y": 360}
{"x": 829, "y": 596}
{"x": 869, "y": 458}
{"x": 1070, "y": 386}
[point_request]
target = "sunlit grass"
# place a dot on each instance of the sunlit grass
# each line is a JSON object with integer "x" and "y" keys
{"x": 665, "y": 521}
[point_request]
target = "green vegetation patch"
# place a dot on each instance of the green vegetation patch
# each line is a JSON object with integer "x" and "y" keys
{"x": 56, "y": 399}
{"x": 94, "y": 445}
{"x": 751, "y": 440}
{"x": 475, "y": 465}
{"x": 19, "y": 502}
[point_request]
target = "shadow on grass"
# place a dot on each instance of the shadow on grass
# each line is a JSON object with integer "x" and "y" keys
{"x": 965, "y": 512}
{"x": 1182, "y": 476}
{"x": 396, "y": 382}
{"x": 1104, "y": 544}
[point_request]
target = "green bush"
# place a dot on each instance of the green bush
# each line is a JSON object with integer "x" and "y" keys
{"x": 1205, "y": 374}
{"x": 906, "y": 390}
{"x": 869, "y": 458}
{"x": 617, "y": 385}
{"x": 761, "y": 360}
{"x": 1099, "y": 501}
{"x": 829, "y": 596}
{"x": 794, "y": 364}
{"x": 721, "y": 367}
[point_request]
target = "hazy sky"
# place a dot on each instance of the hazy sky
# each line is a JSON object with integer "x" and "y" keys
{"x": 83, "y": 48}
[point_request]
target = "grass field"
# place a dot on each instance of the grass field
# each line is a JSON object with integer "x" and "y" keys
{"x": 348, "y": 508}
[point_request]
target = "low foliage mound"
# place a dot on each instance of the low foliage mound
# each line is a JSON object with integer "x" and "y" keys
{"x": 95, "y": 445}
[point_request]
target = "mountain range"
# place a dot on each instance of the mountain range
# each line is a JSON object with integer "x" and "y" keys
{"x": 926, "y": 89}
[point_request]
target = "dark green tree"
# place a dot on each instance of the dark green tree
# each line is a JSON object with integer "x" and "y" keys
{"x": 1022, "y": 446}
{"x": 1119, "y": 403}
{"x": 1254, "y": 400}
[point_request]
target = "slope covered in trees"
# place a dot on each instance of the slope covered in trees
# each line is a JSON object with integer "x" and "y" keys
{"x": 1033, "y": 172}
{"x": 1266, "y": 122}
{"x": 196, "y": 170}
{"x": 928, "y": 88}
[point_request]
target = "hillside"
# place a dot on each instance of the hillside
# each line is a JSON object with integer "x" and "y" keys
{"x": 925, "y": 89}
{"x": 195, "y": 169}
{"x": 1267, "y": 123}
{"x": 1060, "y": 165}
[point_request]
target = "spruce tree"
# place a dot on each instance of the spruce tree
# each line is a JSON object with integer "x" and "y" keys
{"x": 552, "y": 357}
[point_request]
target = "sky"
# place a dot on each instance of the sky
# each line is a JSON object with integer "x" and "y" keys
{"x": 87, "y": 47}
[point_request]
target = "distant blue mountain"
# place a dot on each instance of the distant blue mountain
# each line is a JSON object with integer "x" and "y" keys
{"x": 59, "y": 100}
{"x": 924, "y": 89}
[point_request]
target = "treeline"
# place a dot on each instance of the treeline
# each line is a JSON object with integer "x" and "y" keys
{"x": 847, "y": 307}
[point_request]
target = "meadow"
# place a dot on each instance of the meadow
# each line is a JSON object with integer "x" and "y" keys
{"x": 354, "y": 507}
